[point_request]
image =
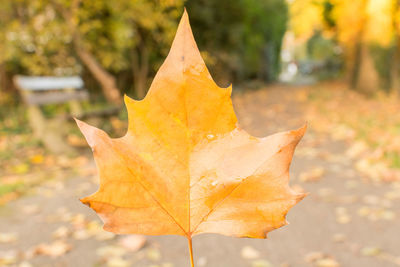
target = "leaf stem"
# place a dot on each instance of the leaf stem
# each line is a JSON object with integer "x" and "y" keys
{"x": 190, "y": 250}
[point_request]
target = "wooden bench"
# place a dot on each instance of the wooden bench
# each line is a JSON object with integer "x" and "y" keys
{"x": 38, "y": 91}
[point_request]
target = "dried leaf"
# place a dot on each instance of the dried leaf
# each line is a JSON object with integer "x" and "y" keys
{"x": 81, "y": 234}
{"x": 25, "y": 264}
{"x": 342, "y": 215}
{"x": 313, "y": 175}
{"x": 261, "y": 263}
{"x": 153, "y": 254}
{"x": 118, "y": 262}
{"x": 313, "y": 256}
{"x": 250, "y": 253}
{"x": 8, "y": 257}
{"x": 327, "y": 262}
{"x": 111, "y": 252}
{"x": 320, "y": 259}
{"x": 185, "y": 167}
{"x": 201, "y": 261}
{"x": 133, "y": 242}
{"x": 339, "y": 238}
{"x": 55, "y": 249}
{"x": 8, "y": 237}
{"x": 61, "y": 232}
{"x": 371, "y": 251}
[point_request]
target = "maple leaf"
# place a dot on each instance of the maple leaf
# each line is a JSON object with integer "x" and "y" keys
{"x": 184, "y": 166}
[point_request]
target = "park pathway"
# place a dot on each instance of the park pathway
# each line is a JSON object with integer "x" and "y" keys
{"x": 346, "y": 220}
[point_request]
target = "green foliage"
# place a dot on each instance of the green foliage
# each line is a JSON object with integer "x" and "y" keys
{"x": 37, "y": 37}
{"x": 325, "y": 54}
{"x": 265, "y": 25}
{"x": 383, "y": 60}
{"x": 130, "y": 38}
{"x": 8, "y": 188}
{"x": 394, "y": 159}
{"x": 328, "y": 14}
{"x": 243, "y": 37}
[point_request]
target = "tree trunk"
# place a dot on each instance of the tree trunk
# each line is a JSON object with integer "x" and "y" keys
{"x": 140, "y": 70}
{"x": 395, "y": 71}
{"x": 3, "y": 83}
{"x": 363, "y": 76}
{"x": 368, "y": 78}
{"x": 105, "y": 79}
{"x": 355, "y": 63}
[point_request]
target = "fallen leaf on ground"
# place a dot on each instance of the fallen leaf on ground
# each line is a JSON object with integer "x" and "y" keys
{"x": 30, "y": 209}
{"x": 60, "y": 232}
{"x": 320, "y": 259}
{"x": 8, "y": 257}
{"x": 94, "y": 228}
{"x": 327, "y": 194}
{"x": 251, "y": 253}
{"x": 313, "y": 256}
{"x": 298, "y": 189}
{"x": 356, "y": 149}
{"x": 21, "y": 168}
{"x": 339, "y": 238}
{"x": 351, "y": 184}
{"x": 8, "y": 237}
{"x": 162, "y": 265}
{"x": 312, "y": 175}
{"x": 371, "y": 251}
{"x": 261, "y": 263}
{"x": 102, "y": 236}
{"x": 376, "y": 213}
{"x": 78, "y": 220}
{"x": 118, "y": 262}
{"x": 342, "y": 215}
{"x": 55, "y": 249}
{"x": 201, "y": 261}
{"x": 81, "y": 234}
{"x": 327, "y": 262}
{"x": 153, "y": 254}
{"x": 25, "y": 264}
{"x": 392, "y": 195}
{"x": 110, "y": 252}
{"x": 37, "y": 159}
{"x": 371, "y": 200}
{"x": 132, "y": 242}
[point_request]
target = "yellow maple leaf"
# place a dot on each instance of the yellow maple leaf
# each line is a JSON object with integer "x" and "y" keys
{"x": 184, "y": 166}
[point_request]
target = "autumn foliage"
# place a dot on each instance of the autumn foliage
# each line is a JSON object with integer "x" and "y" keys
{"x": 184, "y": 166}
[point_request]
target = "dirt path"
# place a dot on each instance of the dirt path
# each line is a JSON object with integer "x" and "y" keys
{"x": 345, "y": 221}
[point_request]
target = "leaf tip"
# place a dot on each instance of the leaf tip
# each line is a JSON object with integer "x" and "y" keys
{"x": 300, "y": 196}
{"x": 184, "y": 48}
{"x": 184, "y": 24}
{"x": 83, "y": 127}
{"x": 299, "y": 133}
{"x": 229, "y": 89}
{"x": 85, "y": 201}
{"x": 78, "y": 122}
{"x": 185, "y": 16}
{"x": 302, "y": 130}
{"x": 88, "y": 131}
{"x": 128, "y": 100}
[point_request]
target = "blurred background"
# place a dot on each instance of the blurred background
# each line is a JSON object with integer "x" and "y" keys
{"x": 332, "y": 63}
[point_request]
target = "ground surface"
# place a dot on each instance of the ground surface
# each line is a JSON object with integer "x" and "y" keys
{"x": 345, "y": 221}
